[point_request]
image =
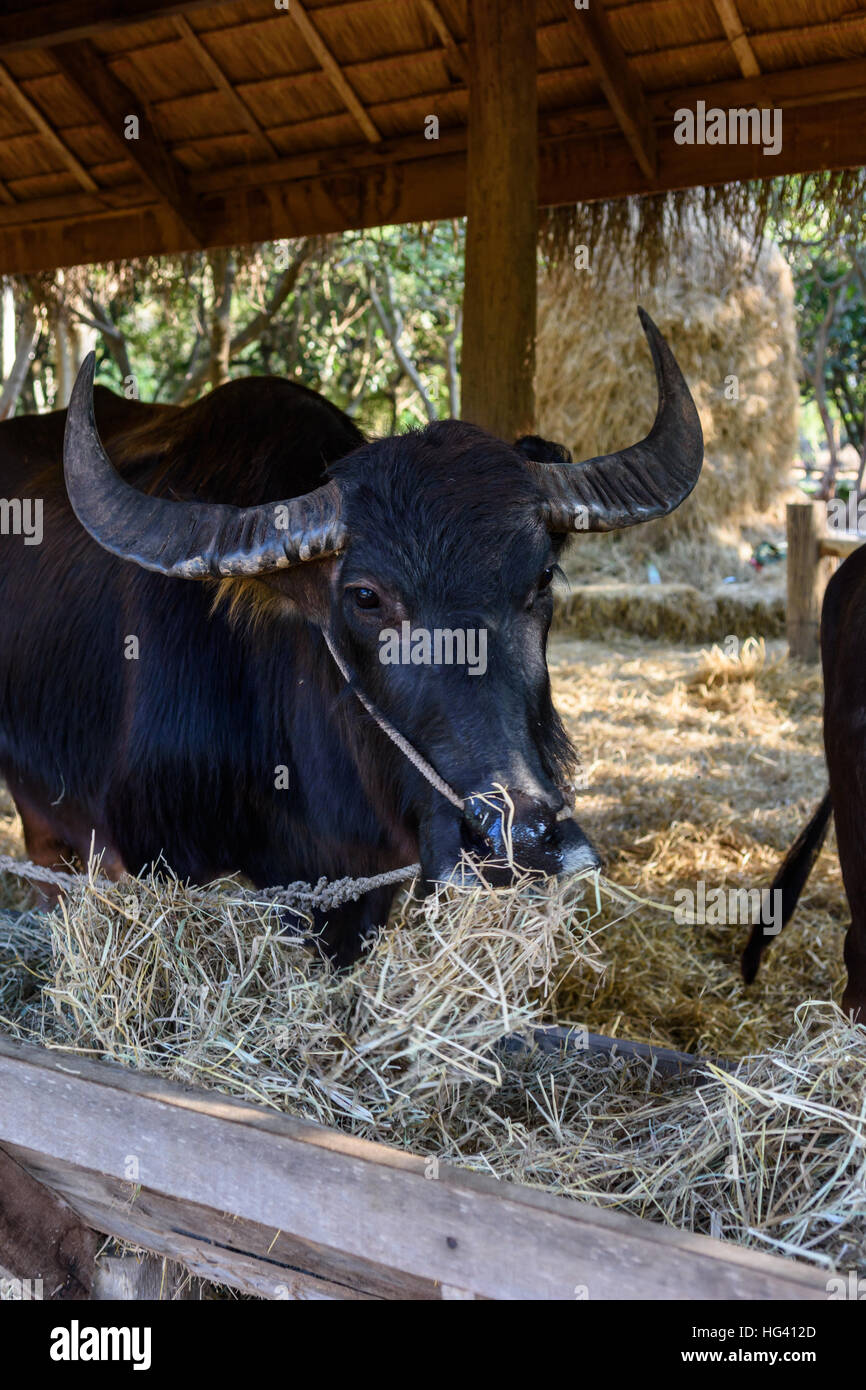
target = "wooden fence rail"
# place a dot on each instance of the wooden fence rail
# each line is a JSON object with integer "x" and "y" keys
{"x": 287, "y": 1209}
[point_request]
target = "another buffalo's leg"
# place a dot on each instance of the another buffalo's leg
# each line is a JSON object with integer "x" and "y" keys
{"x": 854, "y": 998}
{"x": 843, "y": 632}
{"x": 849, "y": 805}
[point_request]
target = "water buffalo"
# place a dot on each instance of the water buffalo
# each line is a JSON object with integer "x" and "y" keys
{"x": 843, "y": 642}
{"x": 166, "y": 683}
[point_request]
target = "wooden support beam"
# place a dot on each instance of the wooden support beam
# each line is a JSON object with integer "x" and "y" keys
{"x": 46, "y": 130}
{"x": 622, "y": 89}
{"x": 42, "y": 1238}
{"x": 733, "y": 27}
{"x": 110, "y": 103}
{"x": 322, "y": 52}
{"x": 454, "y": 58}
{"x": 347, "y": 1204}
{"x": 498, "y": 365}
{"x": 65, "y": 21}
{"x": 215, "y": 72}
{"x": 413, "y": 179}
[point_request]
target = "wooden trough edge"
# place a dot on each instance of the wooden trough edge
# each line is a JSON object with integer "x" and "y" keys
{"x": 285, "y": 1208}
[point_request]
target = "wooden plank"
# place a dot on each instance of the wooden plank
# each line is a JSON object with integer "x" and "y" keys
{"x": 366, "y": 1201}
{"x": 454, "y": 57}
{"x": 622, "y": 88}
{"x": 222, "y": 1247}
{"x": 325, "y": 57}
{"x": 110, "y": 103}
{"x": 840, "y": 545}
{"x": 499, "y": 304}
{"x": 41, "y": 1237}
{"x": 734, "y": 31}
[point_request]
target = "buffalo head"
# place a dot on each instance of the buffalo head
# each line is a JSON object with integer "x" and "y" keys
{"x": 427, "y": 559}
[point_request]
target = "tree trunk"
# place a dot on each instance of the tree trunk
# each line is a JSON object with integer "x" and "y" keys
{"x": 29, "y": 328}
{"x": 222, "y": 267}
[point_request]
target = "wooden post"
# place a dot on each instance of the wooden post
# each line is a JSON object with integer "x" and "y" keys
{"x": 808, "y": 573}
{"x": 502, "y": 218}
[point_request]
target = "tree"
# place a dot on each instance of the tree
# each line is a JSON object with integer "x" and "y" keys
{"x": 830, "y": 283}
{"x": 370, "y": 318}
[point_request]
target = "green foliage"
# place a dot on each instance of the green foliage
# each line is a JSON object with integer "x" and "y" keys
{"x": 831, "y": 307}
{"x": 371, "y": 319}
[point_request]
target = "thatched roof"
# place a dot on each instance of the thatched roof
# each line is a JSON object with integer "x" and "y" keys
{"x": 260, "y": 122}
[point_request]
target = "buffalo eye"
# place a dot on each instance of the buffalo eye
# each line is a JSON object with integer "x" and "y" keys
{"x": 546, "y": 579}
{"x": 365, "y": 598}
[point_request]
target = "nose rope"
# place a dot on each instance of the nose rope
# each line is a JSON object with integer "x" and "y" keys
{"x": 415, "y": 758}
{"x": 393, "y": 734}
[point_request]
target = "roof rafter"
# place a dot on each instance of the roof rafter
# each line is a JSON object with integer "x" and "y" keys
{"x": 110, "y": 103}
{"x": 733, "y": 27}
{"x": 622, "y": 89}
{"x": 46, "y": 130}
{"x": 454, "y": 56}
{"x": 322, "y": 52}
{"x": 215, "y": 72}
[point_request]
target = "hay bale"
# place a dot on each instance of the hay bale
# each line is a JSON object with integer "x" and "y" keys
{"x": 726, "y": 314}
{"x": 673, "y": 612}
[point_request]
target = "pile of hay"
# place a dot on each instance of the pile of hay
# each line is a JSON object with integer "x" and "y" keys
{"x": 695, "y": 768}
{"x": 726, "y": 314}
{"x": 402, "y": 1049}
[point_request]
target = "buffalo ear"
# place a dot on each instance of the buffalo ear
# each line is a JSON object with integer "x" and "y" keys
{"x": 532, "y": 446}
{"x": 306, "y": 589}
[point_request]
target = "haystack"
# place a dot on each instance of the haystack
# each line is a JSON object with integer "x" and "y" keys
{"x": 727, "y": 310}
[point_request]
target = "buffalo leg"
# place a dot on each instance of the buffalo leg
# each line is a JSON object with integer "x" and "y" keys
{"x": 340, "y": 932}
{"x": 44, "y": 847}
{"x": 51, "y": 843}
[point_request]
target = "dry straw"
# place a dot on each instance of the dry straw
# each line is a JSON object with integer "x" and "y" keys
{"x": 728, "y": 312}
{"x": 222, "y": 992}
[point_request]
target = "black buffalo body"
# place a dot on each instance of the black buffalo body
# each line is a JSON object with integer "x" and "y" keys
{"x": 843, "y": 654}
{"x": 205, "y": 724}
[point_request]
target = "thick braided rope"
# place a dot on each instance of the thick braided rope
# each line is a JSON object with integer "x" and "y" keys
{"x": 324, "y": 894}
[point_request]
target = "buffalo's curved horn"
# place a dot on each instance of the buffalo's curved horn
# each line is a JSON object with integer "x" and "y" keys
{"x": 638, "y": 484}
{"x": 190, "y": 540}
